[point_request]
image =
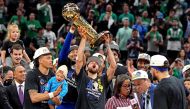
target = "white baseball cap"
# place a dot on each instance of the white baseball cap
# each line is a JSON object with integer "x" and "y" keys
{"x": 41, "y": 51}
{"x": 64, "y": 69}
{"x": 185, "y": 68}
{"x": 99, "y": 54}
{"x": 139, "y": 74}
{"x": 144, "y": 56}
{"x": 159, "y": 60}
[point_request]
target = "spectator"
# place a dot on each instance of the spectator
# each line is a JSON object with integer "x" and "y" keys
{"x": 7, "y": 74}
{"x": 186, "y": 26}
{"x": 121, "y": 69}
{"x": 155, "y": 40}
{"x": 122, "y": 94}
{"x": 126, "y": 13}
{"x": 37, "y": 79}
{"x": 144, "y": 88}
{"x": 21, "y": 7}
{"x": 134, "y": 45}
{"x": 186, "y": 47}
{"x": 13, "y": 35}
{"x": 183, "y": 56}
{"x": 16, "y": 92}
{"x": 145, "y": 19}
{"x": 96, "y": 87}
{"x": 186, "y": 71}
{"x": 16, "y": 57}
{"x": 39, "y": 41}
{"x": 174, "y": 36}
{"x": 44, "y": 12}
{"x": 108, "y": 17}
{"x": 91, "y": 19}
{"x": 21, "y": 21}
{"x": 143, "y": 63}
{"x": 33, "y": 26}
{"x": 4, "y": 103}
{"x": 50, "y": 35}
{"x": 169, "y": 19}
{"x": 123, "y": 34}
{"x": 176, "y": 68}
{"x": 168, "y": 86}
{"x": 55, "y": 82}
{"x": 3, "y": 12}
{"x": 187, "y": 86}
{"x": 142, "y": 5}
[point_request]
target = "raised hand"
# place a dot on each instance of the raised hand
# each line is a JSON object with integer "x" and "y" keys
{"x": 82, "y": 32}
{"x": 106, "y": 36}
{"x": 58, "y": 90}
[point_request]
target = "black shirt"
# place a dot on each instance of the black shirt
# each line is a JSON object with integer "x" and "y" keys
{"x": 169, "y": 94}
{"x": 37, "y": 81}
{"x": 72, "y": 94}
{"x": 4, "y": 103}
{"x": 92, "y": 92}
{"x": 8, "y": 44}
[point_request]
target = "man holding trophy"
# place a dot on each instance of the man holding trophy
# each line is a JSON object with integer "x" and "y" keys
{"x": 91, "y": 88}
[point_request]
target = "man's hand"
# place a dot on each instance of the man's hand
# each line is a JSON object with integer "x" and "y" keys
{"x": 58, "y": 90}
{"x": 106, "y": 37}
{"x": 82, "y": 32}
{"x": 72, "y": 28}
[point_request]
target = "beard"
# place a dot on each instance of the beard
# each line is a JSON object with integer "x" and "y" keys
{"x": 93, "y": 70}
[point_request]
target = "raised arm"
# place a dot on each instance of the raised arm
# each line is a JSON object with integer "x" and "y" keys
{"x": 66, "y": 46}
{"x": 80, "y": 54}
{"x": 112, "y": 64}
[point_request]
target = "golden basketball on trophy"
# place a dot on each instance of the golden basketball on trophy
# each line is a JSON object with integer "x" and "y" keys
{"x": 71, "y": 13}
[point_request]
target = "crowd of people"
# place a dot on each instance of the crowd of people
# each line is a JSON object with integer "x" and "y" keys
{"x": 143, "y": 62}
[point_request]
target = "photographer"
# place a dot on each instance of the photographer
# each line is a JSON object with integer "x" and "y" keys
{"x": 155, "y": 40}
{"x": 4, "y": 103}
{"x": 134, "y": 45}
{"x": 176, "y": 68}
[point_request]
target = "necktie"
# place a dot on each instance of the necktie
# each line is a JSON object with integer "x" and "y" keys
{"x": 143, "y": 102}
{"x": 21, "y": 95}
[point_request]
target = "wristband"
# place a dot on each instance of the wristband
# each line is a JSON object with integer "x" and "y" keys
{"x": 71, "y": 31}
{"x": 51, "y": 95}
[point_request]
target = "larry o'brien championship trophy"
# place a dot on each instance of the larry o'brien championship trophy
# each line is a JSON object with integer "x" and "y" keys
{"x": 71, "y": 13}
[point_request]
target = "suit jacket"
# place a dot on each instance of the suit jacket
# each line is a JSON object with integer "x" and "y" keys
{"x": 13, "y": 96}
{"x": 4, "y": 103}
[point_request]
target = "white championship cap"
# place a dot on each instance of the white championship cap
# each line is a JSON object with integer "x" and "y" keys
{"x": 41, "y": 51}
{"x": 139, "y": 74}
{"x": 159, "y": 60}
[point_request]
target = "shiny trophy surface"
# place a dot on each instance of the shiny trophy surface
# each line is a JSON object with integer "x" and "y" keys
{"x": 71, "y": 13}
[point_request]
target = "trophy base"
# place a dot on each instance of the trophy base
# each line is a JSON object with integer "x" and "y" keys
{"x": 100, "y": 40}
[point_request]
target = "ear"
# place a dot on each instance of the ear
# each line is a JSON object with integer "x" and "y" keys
{"x": 40, "y": 60}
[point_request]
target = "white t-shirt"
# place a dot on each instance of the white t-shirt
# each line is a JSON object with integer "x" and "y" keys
{"x": 51, "y": 38}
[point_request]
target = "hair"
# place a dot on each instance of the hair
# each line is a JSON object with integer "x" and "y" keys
{"x": 14, "y": 68}
{"x": 4, "y": 70}
{"x": 187, "y": 73}
{"x": 185, "y": 57}
{"x": 187, "y": 79}
{"x": 10, "y": 28}
{"x": 118, "y": 84}
{"x": 16, "y": 47}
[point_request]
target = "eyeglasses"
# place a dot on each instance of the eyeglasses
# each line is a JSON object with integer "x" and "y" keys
{"x": 126, "y": 85}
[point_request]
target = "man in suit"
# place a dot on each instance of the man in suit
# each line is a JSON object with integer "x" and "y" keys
{"x": 16, "y": 93}
{"x": 4, "y": 103}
